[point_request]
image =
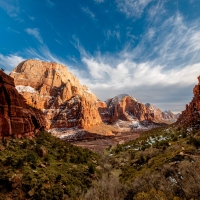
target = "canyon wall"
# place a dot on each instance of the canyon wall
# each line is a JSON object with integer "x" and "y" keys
{"x": 17, "y": 119}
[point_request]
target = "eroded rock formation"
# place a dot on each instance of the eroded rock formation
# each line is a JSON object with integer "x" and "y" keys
{"x": 124, "y": 107}
{"x": 159, "y": 116}
{"x": 191, "y": 115}
{"x": 127, "y": 108}
{"x": 53, "y": 89}
{"x": 16, "y": 117}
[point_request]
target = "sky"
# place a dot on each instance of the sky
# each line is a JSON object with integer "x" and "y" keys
{"x": 149, "y": 49}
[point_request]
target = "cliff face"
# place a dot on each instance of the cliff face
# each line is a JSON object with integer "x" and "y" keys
{"x": 159, "y": 116}
{"x": 16, "y": 117}
{"x": 191, "y": 115}
{"x": 156, "y": 113}
{"x": 127, "y": 108}
{"x": 124, "y": 107}
{"x": 53, "y": 89}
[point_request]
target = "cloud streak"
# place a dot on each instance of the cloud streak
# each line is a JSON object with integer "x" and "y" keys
{"x": 35, "y": 32}
{"x": 88, "y": 12}
{"x": 132, "y": 8}
{"x": 11, "y": 7}
{"x": 159, "y": 72}
{"x": 8, "y": 63}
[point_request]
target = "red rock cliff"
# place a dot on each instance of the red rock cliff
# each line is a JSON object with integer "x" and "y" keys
{"x": 53, "y": 89}
{"x": 16, "y": 117}
{"x": 124, "y": 107}
{"x": 191, "y": 115}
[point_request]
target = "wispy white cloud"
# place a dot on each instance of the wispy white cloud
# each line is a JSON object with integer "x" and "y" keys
{"x": 50, "y": 3}
{"x": 159, "y": 72}
{"x": 9, "y": 62}
{"x": 132, "y": 8}
{"x": 11, "y": 7}
{"x": 58, "y": 41}
{"x": 112, "y": 34}
{"x": 88, "y": 12}
{"x": 156, "y": 11}
{"x": 31, "y": 18}
{"x": 12, "y": 30}
{"x": 35, "y": 32}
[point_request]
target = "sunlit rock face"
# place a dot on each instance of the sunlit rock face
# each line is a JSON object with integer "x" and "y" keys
{"x": 17, "y": 119}
{"x": 159, "y": 116}
{"x": 127, "y": 108}
{"x": 124, "y": 107}
{"x": 191, "y": 115}
{"x": 51, "y": 88}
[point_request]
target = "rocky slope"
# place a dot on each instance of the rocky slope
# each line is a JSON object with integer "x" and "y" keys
{"x": 124, "y": 107}
{"x": 191, "y": 115}
{"x": 53, "y": 89}
{"x": 16, "y": 117}
{"x": 159, "y": 116}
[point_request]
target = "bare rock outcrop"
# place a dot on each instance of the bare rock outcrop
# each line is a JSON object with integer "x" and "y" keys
{"x": 17, "y": 119}
{"x": 159, "y": 116}
{"x": 58, "y": 93}
{"x": 156, "y": 112}
{"x": 124, "y": 107}
{"x": 191, "y": 115}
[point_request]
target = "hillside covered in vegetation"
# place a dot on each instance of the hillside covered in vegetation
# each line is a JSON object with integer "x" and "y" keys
{"x": 44, "y": 168}
{"x": 163, "y": 163}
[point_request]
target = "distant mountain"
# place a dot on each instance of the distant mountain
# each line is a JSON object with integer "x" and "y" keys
{"x": 166, "y": 116}
{"x": 123, "y": 107}
{"x": 125, "y": 111}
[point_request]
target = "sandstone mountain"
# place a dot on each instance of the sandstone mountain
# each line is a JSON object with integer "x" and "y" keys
{"x": 191, "y": 115}
{"x": 124, "y": 107}
{"x": 166, "y": 116}
{"x": 51, "y": 88}
{"x": 17, "y": 119}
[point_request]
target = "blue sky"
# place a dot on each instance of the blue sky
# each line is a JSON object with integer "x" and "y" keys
{"x": 149, "y": 49}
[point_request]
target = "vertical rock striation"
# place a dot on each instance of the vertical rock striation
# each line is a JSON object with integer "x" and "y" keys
{"x": 16, "y": 117}
{"x": 191, "y": 115}
{"x": 58, "y": 93}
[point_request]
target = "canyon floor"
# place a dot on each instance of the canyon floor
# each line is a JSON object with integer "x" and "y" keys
{"x": 98, "y": 143}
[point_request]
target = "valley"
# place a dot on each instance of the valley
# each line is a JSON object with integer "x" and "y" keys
{"x": 59, "y": 141}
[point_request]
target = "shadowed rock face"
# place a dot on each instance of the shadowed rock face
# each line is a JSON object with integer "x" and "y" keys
{"x": 16, "y": 117}
{"x": 58, "y": 93}
{"x": 191, "y": 114}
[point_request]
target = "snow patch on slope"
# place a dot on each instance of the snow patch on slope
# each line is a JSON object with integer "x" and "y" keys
{"x": 22, "y": 88}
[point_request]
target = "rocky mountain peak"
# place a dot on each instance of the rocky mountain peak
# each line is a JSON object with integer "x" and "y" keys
{"x": 52, "y": 88}
{"x": 191, "y": 115}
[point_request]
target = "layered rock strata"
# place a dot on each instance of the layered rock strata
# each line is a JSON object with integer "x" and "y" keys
{"x": 191, "y": 115}
{"x": 124, "y": 107}
{"x": 58, "y": 93}
{"x": 159, "y": 116}
{"x": 17, "y": 119}
{"x": 127, "y": 108}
